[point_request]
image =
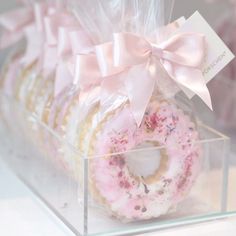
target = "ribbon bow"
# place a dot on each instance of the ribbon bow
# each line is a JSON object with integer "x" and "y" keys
{"x": 63, "y": 39}
{"x": 13, "y": 23}
{"x": 132, "y": 65}
{"x": 181, "y": 56}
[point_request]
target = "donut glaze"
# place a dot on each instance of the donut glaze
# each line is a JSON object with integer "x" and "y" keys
{"x": 131, "y": 197}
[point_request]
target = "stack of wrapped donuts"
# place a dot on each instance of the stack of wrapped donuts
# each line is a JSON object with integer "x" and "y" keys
{"x": 41, "y": 78}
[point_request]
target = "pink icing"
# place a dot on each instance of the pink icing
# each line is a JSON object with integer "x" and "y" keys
{"x": 128, "y": 197}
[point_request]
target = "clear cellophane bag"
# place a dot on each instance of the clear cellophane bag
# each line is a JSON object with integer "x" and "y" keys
{"x": 104, "y": 126}
{"x": 128, "y": 152}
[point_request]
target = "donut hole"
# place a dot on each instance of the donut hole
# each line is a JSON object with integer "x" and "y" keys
{"x": 148, "y": 163}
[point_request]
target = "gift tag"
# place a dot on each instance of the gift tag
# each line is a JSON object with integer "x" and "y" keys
{"x": 218, "y": 55}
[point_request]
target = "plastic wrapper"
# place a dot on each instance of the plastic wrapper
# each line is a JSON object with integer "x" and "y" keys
{"x": 100, "y": 121}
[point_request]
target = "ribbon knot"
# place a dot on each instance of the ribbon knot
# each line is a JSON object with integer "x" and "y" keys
{"x": 181, "y": 56}
{"x": 156, "y": 51}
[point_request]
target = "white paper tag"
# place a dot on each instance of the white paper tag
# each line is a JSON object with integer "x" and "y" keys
{"x": 218, "y": 54}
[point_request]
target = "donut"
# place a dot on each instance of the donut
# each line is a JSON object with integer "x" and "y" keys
{"x": 61, "y": 107}
{"x": 24, "y": 86}
{"x": 42, "y": 98}
{"x": 37, "y": 116}
{"x": 126, "y": 191}
{"x": 66, "y": 112}
{"x": 52, "y": 111}
{"x": 34, "y": 89}
{"x": 80, "y": 122}
{"x": 9, "y": 76}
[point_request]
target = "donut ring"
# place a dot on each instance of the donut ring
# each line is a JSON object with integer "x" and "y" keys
{"x": 41, "y": 99}
{"x": 73, "y": 107}
{"x": 33, "y": 91}
{"x": 79, "y": 123}
{"x": 23, "y": 85}
{"x": 9, "y": 75}
{"x": 16, "y": 91}
{"x": 54, "y": 112}
{"x": 132, "y": 197}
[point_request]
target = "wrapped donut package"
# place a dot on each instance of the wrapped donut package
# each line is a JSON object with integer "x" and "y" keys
{"x": 96, "y": 115}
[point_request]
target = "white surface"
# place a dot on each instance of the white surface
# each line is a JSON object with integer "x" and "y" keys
{"x": 218, "y": 228}
{"x": 21, "y": 213}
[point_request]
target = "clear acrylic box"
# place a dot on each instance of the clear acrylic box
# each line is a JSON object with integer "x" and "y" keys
{"x": 33, "y": 152}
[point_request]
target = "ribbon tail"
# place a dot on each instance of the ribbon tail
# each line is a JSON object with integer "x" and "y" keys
{"x": 49, "y": 60}
{"x": 190, "y": 80}
{"x": 110, "y": 86}
{"x": 16, "y": 19}
{"x": 201, "y": 91}
{"x": 63, "y": 78}
{"x": 86, "y": 71}
{"x": 33, "y": 47}
{"x": 139, "y": 86}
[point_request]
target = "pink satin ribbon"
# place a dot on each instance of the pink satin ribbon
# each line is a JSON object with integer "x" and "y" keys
{"x": 181, "y": 56}
{"x": 13, "y": 23}
{"x": 64, "y": 39}
{"x": 135, "y": 59}
{"x": 140, "y": 62}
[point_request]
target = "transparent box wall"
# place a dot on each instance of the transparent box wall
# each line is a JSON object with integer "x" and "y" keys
{"x": 37, "y": 156}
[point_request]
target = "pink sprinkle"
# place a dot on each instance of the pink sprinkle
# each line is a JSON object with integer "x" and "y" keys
{"x": 127, "y": 184}
{"x": 120, "y": 174}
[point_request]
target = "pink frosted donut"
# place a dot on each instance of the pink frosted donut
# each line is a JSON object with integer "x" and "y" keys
{"x": 129, "y": 190}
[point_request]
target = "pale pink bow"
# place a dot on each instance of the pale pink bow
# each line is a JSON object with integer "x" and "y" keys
{"x": 181, "y": 56}
{"x": 73, "y": 42}
{"x": 63, "y": 40}
{"x": 132, "y": 64}
{"x": 13, "y": 23}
